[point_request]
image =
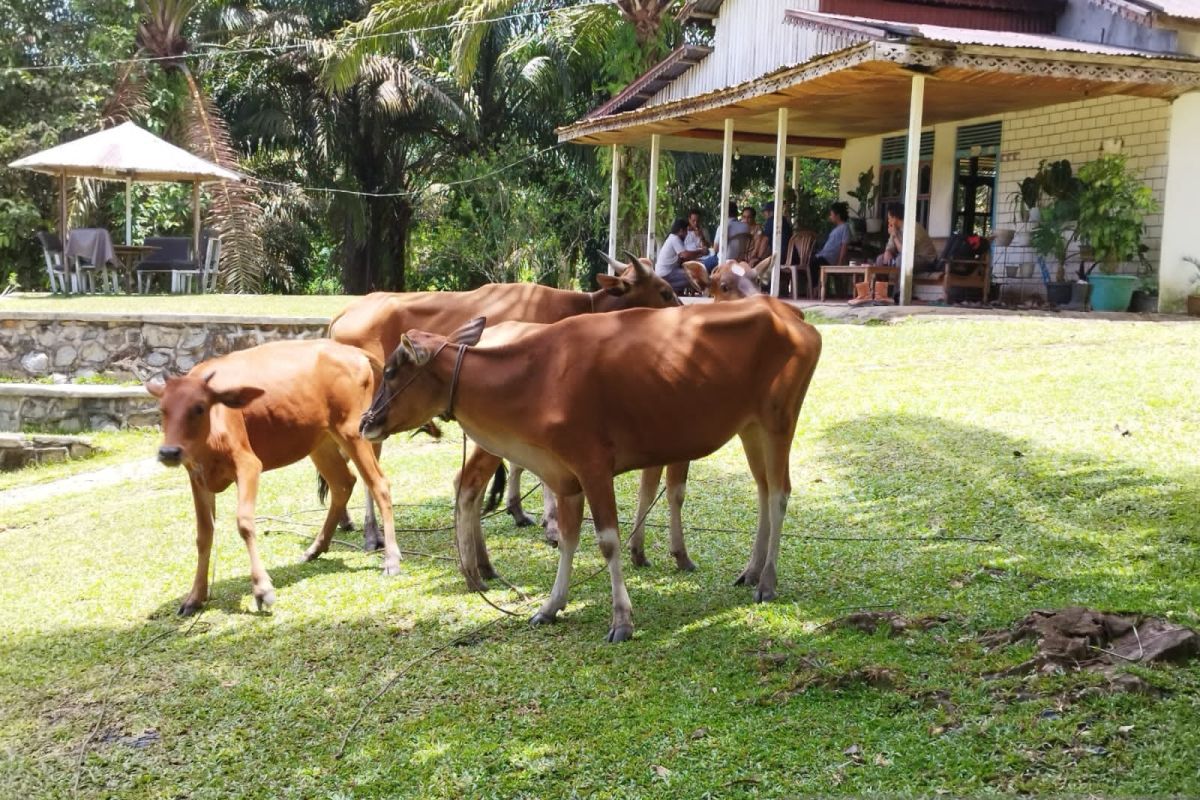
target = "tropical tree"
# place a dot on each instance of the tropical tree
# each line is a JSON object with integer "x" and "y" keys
{"x": 233, "y": 210}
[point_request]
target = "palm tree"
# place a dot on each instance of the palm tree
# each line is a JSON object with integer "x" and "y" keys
{"x": 551, "y": 57}
{"x": 233, "y": 212}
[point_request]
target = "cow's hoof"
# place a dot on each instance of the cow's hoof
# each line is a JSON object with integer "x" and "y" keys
{"x": 551, "y": 536}
{"x": 476, "y": 584}
{"x": 391, "y": 568}
{"x": 521, "y": 519}
{"x": 543, "y": 618}
{"x": 685, "y": 564}
{"x": 638, "y": 557}
{"x": 747, "y": 578}
{"x": 264, "y": 601}
{"x": 764, "y": 595}
{"x": 346, "y": 524}
{"x": 309, "y": 555}
{"x": 187, "y": 609}
{"x": 488, "y": 572}
{"x": 619, "y": 633}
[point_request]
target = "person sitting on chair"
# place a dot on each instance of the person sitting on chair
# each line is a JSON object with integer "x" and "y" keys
{"x": 738, "y": 226}
{"x": 831, "y": 253}
{"x": 697, "y": 240}
{"x": 924, "y": 253}
{"x": 672, "y": 254}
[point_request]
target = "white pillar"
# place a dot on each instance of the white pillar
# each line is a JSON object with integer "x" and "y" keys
{"x": 613, "y": 198}
{"x": 912, "y": 169}
{"x": 781, "y": 130}
{"x": 196, "y": 222}
{"x": 128, "y": 211}
{"x": 1179, "y": 205}
{"x": 654, "y": 146}
{"x": 795, "y": 173}
{"x": 726, "y": 179}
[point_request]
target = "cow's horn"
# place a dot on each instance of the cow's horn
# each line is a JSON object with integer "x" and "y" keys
{"x": 639, "y": 268}
{"x": 617, "y": 266}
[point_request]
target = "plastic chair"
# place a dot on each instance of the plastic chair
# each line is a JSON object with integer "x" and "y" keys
{"x": 187, "y": 280}
{"x": 56, "y": 269}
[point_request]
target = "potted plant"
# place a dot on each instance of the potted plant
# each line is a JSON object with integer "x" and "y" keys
{"x": 1113, "y": 205}
{"x": 1024, "y": 200}
{"x": 1051, "y": 238}
{"x": 866, "y": 194}
{"x": 1193, "y": 298}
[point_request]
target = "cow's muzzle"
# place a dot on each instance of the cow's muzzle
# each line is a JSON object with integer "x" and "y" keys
{"x": 170, "y": 456}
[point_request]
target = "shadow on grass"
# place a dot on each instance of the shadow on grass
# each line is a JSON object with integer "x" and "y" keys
{"x": 551, "y": 711}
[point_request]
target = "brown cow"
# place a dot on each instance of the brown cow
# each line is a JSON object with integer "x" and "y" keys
{"x": 588, "y": 398}
{"x": 730, "y": 280}
{"x": 234, "y": 417}
{"x": 376, "y": 322}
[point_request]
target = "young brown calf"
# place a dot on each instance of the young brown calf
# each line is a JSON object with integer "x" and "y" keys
{"x": 234, "y": 417}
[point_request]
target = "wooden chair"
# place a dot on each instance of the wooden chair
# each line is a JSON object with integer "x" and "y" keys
{"x": 171, "y": 254}
{"x": 56, "y": 268}
{"x": 951, "y": 270}
{"x": 798, "y": 259}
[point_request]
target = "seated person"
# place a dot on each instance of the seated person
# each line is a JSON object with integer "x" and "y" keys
{"x": 738, "y": 226}
{"x": 830, "y": 253}
{"x": 760, "y": 241}
{"x": 769, "y": 225}
{"x": 697, "y": 240}
{"x": 672, "y": 254}
{"x": 924, "y": 253}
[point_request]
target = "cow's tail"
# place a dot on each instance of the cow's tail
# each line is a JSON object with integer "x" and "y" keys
{"x": 322, "y": 488}
{"x": 499, "y": 483}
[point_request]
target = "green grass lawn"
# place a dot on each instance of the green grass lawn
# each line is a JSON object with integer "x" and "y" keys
{"x": 244, "y": 304}
{"x": 1009, "y": 429}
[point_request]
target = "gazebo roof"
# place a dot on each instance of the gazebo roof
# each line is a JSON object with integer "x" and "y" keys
{"x": 125, "y": 151}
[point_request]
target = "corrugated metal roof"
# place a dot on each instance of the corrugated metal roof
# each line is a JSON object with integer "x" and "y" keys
{"x": 1140, "y": 9}
{"x": 637, "y": 93}
{"x": 896, "y": 31}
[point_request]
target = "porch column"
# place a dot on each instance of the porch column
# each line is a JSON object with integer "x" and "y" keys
{"x": 795, "y": 174}
{"x": 781, "y": 130}
{"x": 128, "y": 211}
{"x": 726, "y": 179}
{"x": 613, "y": 198}
{"x": 654, "y": 145}
{"x": 912, "y": 169}
{"x": 1179, "y": 204}
{"x": 196, "y": 221}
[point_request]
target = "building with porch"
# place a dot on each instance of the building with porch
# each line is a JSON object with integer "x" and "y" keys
{"x": 975, "y": 92}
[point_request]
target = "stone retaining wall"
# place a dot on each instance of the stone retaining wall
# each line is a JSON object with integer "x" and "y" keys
{"x": 21, "y": 451}
{"x": 34, "y": 344}
{"x": 72, "y": 407}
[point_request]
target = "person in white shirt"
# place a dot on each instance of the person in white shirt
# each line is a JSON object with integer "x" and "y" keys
{"x": 672, "y": 254}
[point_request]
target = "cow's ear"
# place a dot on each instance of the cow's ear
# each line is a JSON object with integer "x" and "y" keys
{"x": 469, "y": 333}
{"x": 613, "y": 284}
{"x": 239, "y": 397}
{"x": 414, "y": 351}
{"x": 763, "y": 268}
{"x": 155, "y": 387}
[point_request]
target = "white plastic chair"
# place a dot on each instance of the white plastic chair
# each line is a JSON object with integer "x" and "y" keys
{"x": 186, "y": 280}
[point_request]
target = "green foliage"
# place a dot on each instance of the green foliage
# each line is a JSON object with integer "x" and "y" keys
{"x": 1053, "y": 235}
{"x": 866, "y": 193}
{"x": 1113, "y": 204}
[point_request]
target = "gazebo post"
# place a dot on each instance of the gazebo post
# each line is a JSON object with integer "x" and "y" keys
{"x": 613, "y": 199}
{"x": 912, "y": 168}
{"x": 62, "y": 207}
{"x": 726, "y": 180}
{"x": 128, "y": 211}
{"x": 196, "y": 222}
{"x": 781, "y": 133}
{"x": 795, "y": 173}
{"x": 654, "y": 147}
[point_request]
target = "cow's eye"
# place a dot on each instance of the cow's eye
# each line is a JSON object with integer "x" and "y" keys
{"x": 197, "y": 410}
{"x": 668, "y": 295}
{"x": 389, "y": 373}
